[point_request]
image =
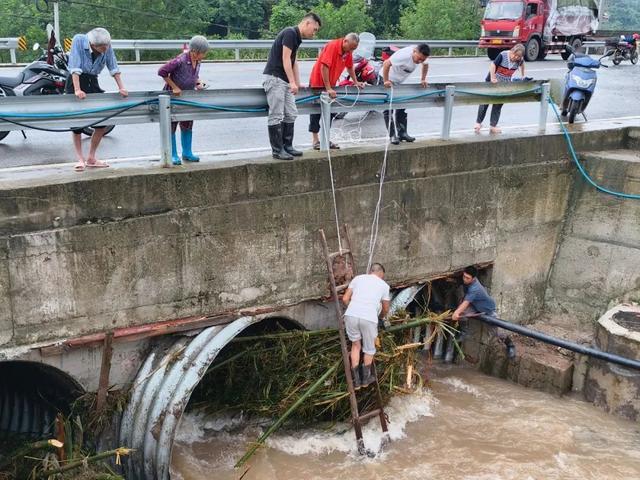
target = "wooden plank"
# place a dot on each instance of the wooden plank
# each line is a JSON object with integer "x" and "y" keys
{"x": 105, "y": 371}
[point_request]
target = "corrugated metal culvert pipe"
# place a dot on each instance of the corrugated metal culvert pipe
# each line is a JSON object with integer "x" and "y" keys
{"x": 31, "y": 395}
{"x": 161, "y": 393}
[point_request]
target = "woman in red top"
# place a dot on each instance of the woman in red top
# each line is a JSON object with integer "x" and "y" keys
{"x": 334, "y": 58}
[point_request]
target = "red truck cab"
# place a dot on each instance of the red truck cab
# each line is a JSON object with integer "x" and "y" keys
{"x": 508, "y": 22}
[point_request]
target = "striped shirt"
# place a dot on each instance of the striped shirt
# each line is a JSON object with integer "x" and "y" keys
{"x": 505, "y": 68}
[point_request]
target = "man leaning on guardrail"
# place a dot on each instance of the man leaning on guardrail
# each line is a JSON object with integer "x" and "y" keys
{"x": 89, "y": 55}
{"x": 281, "y": 83}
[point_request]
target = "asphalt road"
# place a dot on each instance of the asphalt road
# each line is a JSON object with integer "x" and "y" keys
{"x": 617, "y": 96}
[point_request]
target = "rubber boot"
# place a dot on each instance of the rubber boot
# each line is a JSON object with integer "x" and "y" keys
{"x": 511, "y": 348}
{"x": 186, "y": 137}
{"x": 277, "y": 148}
{"x": 367, "y": 375}
{"x": 401, "y": 122}
{"x": 388, "y": 114}
{"x": 174, "y": 150}
{"x": 355, "y": 374}
{"x": 287, "y": 139}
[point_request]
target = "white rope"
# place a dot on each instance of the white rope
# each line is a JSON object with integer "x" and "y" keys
{"x": 333, "y": 187}
{"x": 375, "y": 225}
{"x": 383, "y": 170}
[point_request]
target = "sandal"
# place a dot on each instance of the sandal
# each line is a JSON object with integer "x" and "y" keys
{"x": 316, "y": 146}
{"x": 79, "y": 167}
{"x": 97, "y": 164}
{"x": 332, "y": 146}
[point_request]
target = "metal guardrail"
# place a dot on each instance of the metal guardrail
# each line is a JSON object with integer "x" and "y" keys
{"x": 10, "y": 44}
{"x": 66, "y": 111}
{"x": 137, "y": 46}
{"x": 237, "y": 45}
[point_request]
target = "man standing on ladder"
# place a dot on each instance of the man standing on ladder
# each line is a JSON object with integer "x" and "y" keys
{"x": 395, "y": 70}
{"x": 363, "y": 297}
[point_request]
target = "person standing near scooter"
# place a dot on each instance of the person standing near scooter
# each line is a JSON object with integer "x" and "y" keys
{"x": 281, "y": 84}
{"x": 395, "y": 70}
{"x": 89, "y": 55}
{"x": 501, "y": 70}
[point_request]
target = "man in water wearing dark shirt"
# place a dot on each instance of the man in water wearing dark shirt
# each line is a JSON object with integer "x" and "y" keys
{"x": 281, "y": 83}
{"x": 477, "y": 300}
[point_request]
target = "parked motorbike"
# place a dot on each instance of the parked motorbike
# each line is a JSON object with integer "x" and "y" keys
{"x": 45, "y": 76}
{"x": 624, "y": 48}
{"x": 580, "y": 82}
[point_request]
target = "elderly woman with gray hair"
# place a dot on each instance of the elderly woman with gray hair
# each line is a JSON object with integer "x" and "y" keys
{"x": 182, "y": 73}
{"x": 90, "y": 53}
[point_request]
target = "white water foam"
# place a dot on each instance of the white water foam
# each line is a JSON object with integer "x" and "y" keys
{"x": 401, "y": 410}
{"x": 198, "y": 426}
{"x": 459, "y": 385}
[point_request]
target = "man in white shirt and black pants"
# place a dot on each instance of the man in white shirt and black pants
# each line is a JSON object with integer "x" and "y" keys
{"x": 363, "y": 297}
{"x": 395, "y": 70}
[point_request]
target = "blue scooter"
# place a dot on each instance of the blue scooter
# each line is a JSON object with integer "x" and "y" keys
{"x": 580, "y": 82}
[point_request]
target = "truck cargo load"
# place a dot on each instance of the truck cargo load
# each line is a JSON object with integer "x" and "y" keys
{"x": 571, "y": 17}
{"x": 618, "y": 17}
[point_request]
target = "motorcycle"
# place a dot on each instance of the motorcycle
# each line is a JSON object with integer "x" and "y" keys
{"x": 45, "y": 76}
{"x": 624, "y": 48}
{"x": 580, "y": 82}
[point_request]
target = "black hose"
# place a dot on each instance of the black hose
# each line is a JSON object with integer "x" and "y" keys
{"x": 558, "y": 342}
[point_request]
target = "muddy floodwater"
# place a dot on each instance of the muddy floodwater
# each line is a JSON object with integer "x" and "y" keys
{"x": 465, "y": 426}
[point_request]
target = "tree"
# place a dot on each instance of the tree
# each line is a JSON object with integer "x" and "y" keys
{"x": 284, "y": 14}
{"x": 441, "y": 19}
{"x": 351, "y": 16}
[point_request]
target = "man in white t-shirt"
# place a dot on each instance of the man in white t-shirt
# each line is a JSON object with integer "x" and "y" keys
{"x": 363, "y": 298}
{"x": 395, "y": 70}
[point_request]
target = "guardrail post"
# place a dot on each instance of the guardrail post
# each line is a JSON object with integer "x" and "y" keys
{"x": 12, "y": 52}
{"x": 137, "y": 55}
{"x": 448, "y": 111}
{"x": 164, "y": 110}
{"x": 325, "y": 121}
{"x": 451, "y": 51}
{"x": 237, "y": 54}
{"x": 544, "y": 107}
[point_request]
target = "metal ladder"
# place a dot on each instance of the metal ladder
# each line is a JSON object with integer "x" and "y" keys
{"x": 356, "y": 418}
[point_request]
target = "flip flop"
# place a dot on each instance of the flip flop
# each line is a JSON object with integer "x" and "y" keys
{"x": 97, "y": 164}
{"x": 79, "y": 167}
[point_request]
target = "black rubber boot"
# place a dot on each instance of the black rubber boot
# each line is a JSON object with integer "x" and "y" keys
{"x": 287, "y": 139}
{"x": 355, "y": 374}
{"x": 367, "y": 375}
{"x": 277, "y": 149}
{"x": 401, "y": 122}
{"x": 391, "y": 126}
{"x": 511, "y": 348}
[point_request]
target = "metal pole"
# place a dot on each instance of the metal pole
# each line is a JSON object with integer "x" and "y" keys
{"x": 451, "y": 51}
{"x": 325, "y": 121}
{"x": 137, "y": 55}
{"x": 237, "y": 54}
{"x": 448, "y": 111}
{"x": 164, "y": 102}
{"x": 12, "y": 52}
{"x": 56, "y": 21}
{"x": 544, "y": 107}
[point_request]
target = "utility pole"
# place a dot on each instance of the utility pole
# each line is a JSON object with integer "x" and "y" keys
{"x": 56, "y": 21}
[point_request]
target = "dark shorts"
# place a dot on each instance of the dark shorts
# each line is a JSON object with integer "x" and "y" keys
{"x": 88, "y": 84}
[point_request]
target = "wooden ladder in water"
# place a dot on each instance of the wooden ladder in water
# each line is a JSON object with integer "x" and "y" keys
{"x": 346, "y": 256}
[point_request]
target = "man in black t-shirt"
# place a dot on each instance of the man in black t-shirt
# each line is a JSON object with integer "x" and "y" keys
{"x": 281, "y": 84}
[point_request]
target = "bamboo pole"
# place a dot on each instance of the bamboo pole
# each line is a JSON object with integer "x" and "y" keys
{"x": 80, "y": 463}
{"x": 27, "y": 449}
{"x": 286, "y": 414}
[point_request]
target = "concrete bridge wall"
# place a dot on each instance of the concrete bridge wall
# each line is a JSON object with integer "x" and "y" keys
{"x": 124, "y": 249}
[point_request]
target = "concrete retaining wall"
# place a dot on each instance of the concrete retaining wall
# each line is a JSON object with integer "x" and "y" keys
{"x": 598, "y": 259}
{"x": 116, "y": 250}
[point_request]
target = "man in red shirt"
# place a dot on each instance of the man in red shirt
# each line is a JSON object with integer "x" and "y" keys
{"x": 334, "y": 58}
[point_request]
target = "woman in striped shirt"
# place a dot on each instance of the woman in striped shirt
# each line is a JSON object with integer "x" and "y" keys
{"x": 501, "y": 70}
